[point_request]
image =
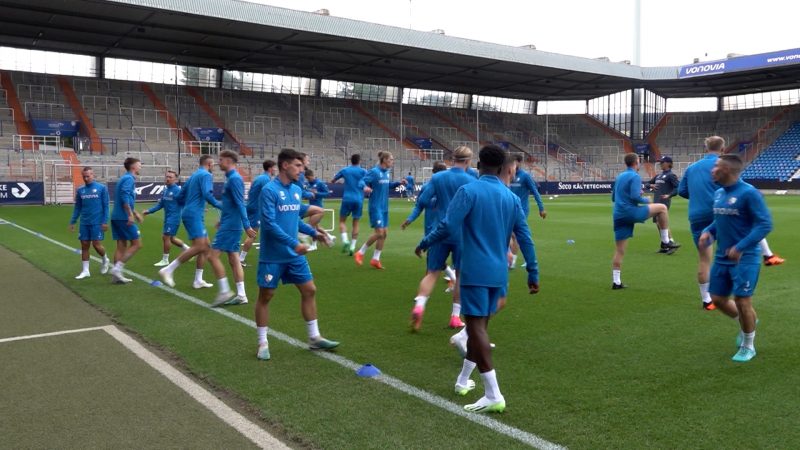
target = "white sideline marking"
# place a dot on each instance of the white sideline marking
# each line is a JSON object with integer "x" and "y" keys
{"x": 238, "y": 422}
{"x": 435, "y": 400}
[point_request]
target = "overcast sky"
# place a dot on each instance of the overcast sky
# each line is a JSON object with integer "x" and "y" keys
{"x": 673, "y": 31}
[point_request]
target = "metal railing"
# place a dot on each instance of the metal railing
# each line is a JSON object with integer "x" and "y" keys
{"x": 269, "y": 122}
{"x": 145, "y": 116}
{"x": 205, "y": 148}
{"x": 90, "y": 85}
{"x": 101, "y": 102}
{"x": 36, "y": 142}
{"x": 156, "y": 134}
{"x": 44, "y": 110}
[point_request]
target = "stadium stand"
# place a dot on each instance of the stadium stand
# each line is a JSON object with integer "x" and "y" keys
{"x": 780, "y": 161}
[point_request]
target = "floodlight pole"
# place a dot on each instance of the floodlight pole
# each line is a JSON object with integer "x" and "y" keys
{"x": 177, "y": 120}
{"x": 299, "y": 120}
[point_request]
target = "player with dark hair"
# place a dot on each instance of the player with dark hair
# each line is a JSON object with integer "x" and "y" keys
{"x": 630, "y": 207}
{"x": 664, "y": 186}
{"x": 197, "y": 191}
{"x": 172, "y": 216}
{"x": 486, "y": 212}
{"x": 123, "y": 220}
{"x": 91, "y": 207}
{"x": 270, "y": 171}
{"x": 281, "y": 257}
{"x": 352, "y": 201}
{"x": 741, "y": 221}
{"x": 523, "y": 185}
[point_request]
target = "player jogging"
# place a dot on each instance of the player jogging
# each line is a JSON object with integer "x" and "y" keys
{"x": 270, "y": 170}
{"x": 319, "y": 191}
{"x": 741, "y": 220}
{"x": 352, "y": 201}
{"x": 377, "y": 183}
{"x": 281, "y": 257}
{"x": 123, "y": 218}
{"x": 197, "y": 191}
{"x": 410, "y": 186}
{"x": 523, "y": 185}
{"x": 631, "y": 208}
{"x": 486, "y": 213}
{"x": 172, "y": 216}
{"x": 229, "y": 232}
{"x": 664, "y": 187}
{"x": 91, "y": 207}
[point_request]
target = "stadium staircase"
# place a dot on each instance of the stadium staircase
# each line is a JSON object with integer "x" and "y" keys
{"x": 780, "y": 161}
{"x": 243, "y": 148}
{"x": 183, "y": 134}
{"x": 77, "y": 109}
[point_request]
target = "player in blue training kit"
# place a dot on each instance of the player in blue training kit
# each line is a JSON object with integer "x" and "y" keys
{"x": 91, "y": 206}
{"x": 281, "y": 257}
{"x": 319, "y": 191}
{"x": 486, "y": 213}
{"x": 270, "y": 171}
{"x": 229, "y": 232}
{"x": 523, "y": 185}
{"x": 123, "y": 216}
{"x": 196, "y": 192}
{"x": 630, "y": 207}
{"x": 377, "y": 183}
{"x": 352, "y": 201}
{"x": 741, "y": 221}
{"x": 172, "y": 216}
{"x": 443, "y": 186}
{"x": 410, "y": 186}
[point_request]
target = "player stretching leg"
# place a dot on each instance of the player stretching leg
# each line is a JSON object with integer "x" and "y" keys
{"x": 91, "y": 206}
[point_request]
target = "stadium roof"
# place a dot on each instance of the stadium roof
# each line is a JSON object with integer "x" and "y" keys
{"x": 236, "y": 35}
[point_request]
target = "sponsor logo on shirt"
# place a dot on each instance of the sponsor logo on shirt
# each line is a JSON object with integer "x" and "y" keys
{"x": 287, "y": 208}
{"x": 726, "y": 211}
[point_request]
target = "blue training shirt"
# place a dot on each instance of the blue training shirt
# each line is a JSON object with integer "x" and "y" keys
{"x": 486, "y": 213}
{"x": 741, "y": 219}
{"x": 169, "y": 202}
{"x": 444, "y": 185}
{"x": 321, "y": 193}
{"x": 379, "y": 179}
{"x": 234, "y": 212}
{"x": 124, "y": 194}
{"x": 255, "y": 192}
{"x": 428, "y": 204}
{"x": 281, "y": 209}
{"x": 627, "y": 193}
{"x": 523, "y": 185}
{"x": 91, "y": 204}
{"x": 699, "y": 187}
{"x": 197, "y": 190}
{"x": 352, "y": 175}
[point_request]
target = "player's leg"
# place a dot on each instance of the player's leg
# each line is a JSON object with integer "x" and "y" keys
{"x": 299, "y": 274}
{"x": 770, "y": 259}
{"x": 376, "y": 255}
{"x": 246, "y": 246}
{"x": 199, "y": 248}
{"x": 661, "y": 214}
{"x": 354, "y": 234}
{"x": 704, "y": 257}
{"x": 343, "y": 214}
{"x": 426, "y": 285}
{"x": 166, "y": 244}
{"x": 513, "y": 248}
{"x": 620, "y": 246}
{"x": 262, "y": 318}
{"x": 479, "y": 351}
{"x": 85, "y": 245}
{"x": 101, "y": 251}
{"x": 238, "y": 278}
{"x": 455, "y": 312}
{"x": 224, "y": 294}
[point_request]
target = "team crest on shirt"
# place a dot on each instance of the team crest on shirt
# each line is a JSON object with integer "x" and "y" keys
{"x": 282, "y": 195}
{"x": 732, "y": 200}
{"x": 94, "y": 191}
{"x": 296, "y": 196}
{"x": 268, "y": 277}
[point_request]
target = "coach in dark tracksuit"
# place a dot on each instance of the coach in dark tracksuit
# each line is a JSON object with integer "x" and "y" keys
{"x": 664, "y": 187}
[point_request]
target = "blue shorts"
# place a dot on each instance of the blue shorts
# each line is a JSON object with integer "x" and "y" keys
{"x": 379, "y": 219}
{"x": 623, "y": 226}
{"x": 91, "y": 233}
{"x": 480, "y": 301}
{"x": 227, "y": 240}
{"x": 697, "y": 229}
{"x": 438, "y": 253}
{"x": 294, "y": 272}
{"x": 740, "y": 279}
{"x": 120, "y": 231}
{"x": 195, "y": 228}
{"x": 171, "y": 228}
{"x": 354, "y": 208}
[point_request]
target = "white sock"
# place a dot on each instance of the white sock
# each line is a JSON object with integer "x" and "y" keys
{"x": 165, "y": 257}
{"x": 223, "y": 285}
{"x": 765, "y": 250}
{"x": 353, "y": 244}
{"x": 313, "y": 329}
{"x": 105, "y": 259}
{"x": 513, "y": 260}
{"x": 344, "y": 238}
{"x": 242, "y": 255}
{"x": 466, "y": 371}
{"x": 118, "y": 266}
{"x": 198, "y": 275}
{"x": 363, "y": 248}
{"x": 450, "y": 273}
{"x": 704, "y": 295}
{"x": 617, "y": 276}
{"x": 172, "y": 266}
{"x": 240, "y": 289}
{"x": 85, "y": 265}
{"x": 420, "y": 300}
{"x": 262, "y": 335}
{"x": 456, "y": 309}
{"x": 376, "y": 255}
{"x": 664, "y": 236}
{"x": 491, "y": 389}
{"x": 749, "y": 339}
{"x": 185, "y": 246}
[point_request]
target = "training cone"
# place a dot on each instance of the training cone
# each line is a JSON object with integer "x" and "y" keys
{"x": 368, "y": 371}
{"x": 155, "y": 283}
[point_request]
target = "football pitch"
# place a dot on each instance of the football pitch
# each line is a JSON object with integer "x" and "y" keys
{"x": 580, "y": 365}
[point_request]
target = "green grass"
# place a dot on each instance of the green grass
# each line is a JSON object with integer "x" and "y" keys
{"x": 579, "y": 364}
